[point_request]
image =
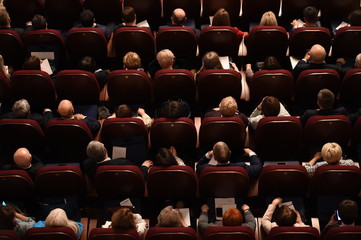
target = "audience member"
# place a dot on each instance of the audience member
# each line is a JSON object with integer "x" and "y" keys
{"x": 58, "y": 218}
{"x": 222, "y": 154}
{"x": 286, "y": 217}
{"x": 39, "y": 22}
{"x": 5, "y": 23}
{"x": 331, "y": 153}
{"x": 221, "y": 18}
{"x": 232, "y": 217}
{"x": 179, "y": 19}
{"x": 170, "y": 217}
{"x": 269, "y": 63}
{"x": 315, "y": 59}
{"x": 268, "y": 19}
{"x": 269, "y": 107}
{"x": 227, "y": 108}
{"x": 167, "y": 157}
{"x": 3, "y": 68}
{"x": 87, "y": 19}
{"x": 347, "y": 212}
{"x": 32, "y": 63}
{"x": 175, "y": 109}
{"x": 348, "y": 66}
{"x": 131, "y": 61}
{"x": 310, "y": 16}
{"x": 125, "y": 219}
{"x": 124, "y": 111}
{"x": 325, "y": 102}
{"x": 354, "y": 19}
{"x": 25, "y": 161}
{"x": 98, "y": 156}
{"x": 12, "y": 220}
{"x": 87, "y": 63}
{"x": 165, "y": 59}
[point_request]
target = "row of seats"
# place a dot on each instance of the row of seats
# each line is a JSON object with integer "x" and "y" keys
{"x": 62, "y": 14}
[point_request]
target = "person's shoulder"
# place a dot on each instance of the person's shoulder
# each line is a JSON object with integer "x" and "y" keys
{"x": 212, "y": 113}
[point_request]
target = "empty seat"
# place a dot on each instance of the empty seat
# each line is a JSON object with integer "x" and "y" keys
{"x": 175, "y": 233}
{"x": 8, "y": 235}
{"x": 349, "y": 94}
{"x": 21, "y": 11}
{"x": 296, "y": 233}
{"x": 62, "y": 14}
{"x": 113, "y": 233}
{"x": 105, "y": 13}
{"x": 345, "y": 43}
{"x": 45, "y": 233}
{"x": 277, "y": 134}
{"x": 344, "y": 232}
{"x": 228, "y": 232}
{"x": 11, "y": 48}
{"x": 15, "y": 186}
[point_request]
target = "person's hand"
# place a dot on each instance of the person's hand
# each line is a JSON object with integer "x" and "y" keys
{"x": 210, "y": 153}
{"x": 247, "y": 151}
{"x": 141, "y": 111}
{"x": 248, "y": 66}
{"x": 317, "y": 155}
{"x": 245, "y": 207}
{"x": 235, "y": 68}
{"x": 173, "y": 151}
{"x": 79, "y": 116}
{"x": 341, "y": 60}
{"x": 205, "y": 208}
{"x": 147, "y": 163}
{"x": 307, "y": 56}
{"x": 277, "y": 201}
{"x": 294, "y": 23}
{"x": 332, "y": 220}
{"x": 298, "y": 219}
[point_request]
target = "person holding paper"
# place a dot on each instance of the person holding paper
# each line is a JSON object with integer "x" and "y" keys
{"x": 221, "y": 155}
{"x": 170, "y": 217}
{"x": 286, "y": 217}
{"x": 309, "y": 16}
{"x": 125, "y": 219}
{"x": 168, "y": 157}
{"x": 232, "y": 217}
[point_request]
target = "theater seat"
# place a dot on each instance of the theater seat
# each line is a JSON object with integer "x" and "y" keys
{"x": 12, "y": 48}
{"x": 344, "y": 232}
{"x": 8, "y": 235}
{"x": 114, "y": 234}
{"x": 16, "y": 185}
{"x": 46, "y": 233}
{"x": 295, "y": 233}
{"x": 5, "y": 94}
{"x": 349, "y": 94}
{"x": 174, "y": 233}
{"x": 345, "y": 43}
{"x": 228, "y": 232}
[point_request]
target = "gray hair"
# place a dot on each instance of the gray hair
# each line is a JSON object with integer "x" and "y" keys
{"x": 21, "y": 108}
{"x": 95, "y": 151}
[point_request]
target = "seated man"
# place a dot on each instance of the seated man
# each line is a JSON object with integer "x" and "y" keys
{"x": 331, "y": 154}
{"x": 325, "y": 101}
{"x": 87, "y": 63}
{"x": 98, "y": 156}
{"x": 347, "y": 213}
{"x": 87, "y": 19}
{"x": 227, "y": 108}
{"x": 222, "y": 154}
{"x": 25, "y": 161}
{"x": 286, "y": 217}
{"x": 310, "y": 16}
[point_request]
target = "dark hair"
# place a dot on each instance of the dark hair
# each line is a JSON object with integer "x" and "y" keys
{"x": 221, "y": 152}
{"x": 310, "y": 14}
{"x": 348, "y": 210}
{"x": 7, "y": 218}
{"x": 38, "y": 22}
{"x": 270, "y": 107}
{"x": 164, "y": 158}
{"x": 271, "y": 63}
{"x": 286, "y": 217}
{"x": 128, "y": 14}
{"x": 87, "y": 18}
{"x": 354, "y": 18}
{"x": 211, "y": 61}
{"x": 32, "y": 63}
{"x": 172, "y": 109}
{"x": 325, "y": 99}
{"x": 124, "y": 111}
{"x": 221, "y": 18}
{"x": 88, "y": 64}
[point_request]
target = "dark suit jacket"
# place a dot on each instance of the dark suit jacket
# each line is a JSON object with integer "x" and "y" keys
{"x": 302, "y": 65}
{"x": 253, "y": 170}
{"x": 36, "y": 163}
{"x": 90, "y": 166}
{"x": 217, "y": 113}
{"x": 322, "y": 112}
{"x": 33, "y": 116}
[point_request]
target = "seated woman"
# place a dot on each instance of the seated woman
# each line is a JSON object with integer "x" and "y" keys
{"x": 125, "y": 219}
{"x": 174, "y": 109}
{"x": 232, "y": 217}
{"x": 124, "y": 111}
{"x": 58, "y": 218}
{"x": 211, "y": 61}
{"x": 12, "y": 220}
{"x": 331, "y": 154}
{"x": 227, "y": 108}
{"x": 170, "y": 217}
{"x": 268, "y": 19}
{"x": 167, "y": 157}
{"x": 285, "y": 217}
{"x": 221, "y": 18}
{"x": 269, "y": 63}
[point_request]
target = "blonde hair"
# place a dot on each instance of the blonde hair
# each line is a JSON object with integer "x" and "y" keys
{"x": 268, "y": 19}
{"x": 58, "y": 218}
{"x": 169, "y": 217}
{"x": 331, "y": 153}
{"x": 131, "y": 60}
{"x": 123, "y": 218}
{"x": 165, "y": 58}
{"x": 228, "y": 107}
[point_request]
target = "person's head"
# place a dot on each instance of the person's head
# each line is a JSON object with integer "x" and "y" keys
{"x": 354, "y": 19}
{"x": 129, "y": 16}
{"x": 131, "y": 60}
{"x": 347, "y": 210}
{"x": 325, "y": 99}
{"x": 268, "y": 19}
{"x": 87, "y": 64}
{"x": 221, "y": 18}
{"x": 22, "y": 158}
{"x": 165, "y": 59}
{"x": 211, "y": 61}
{"x": 58, "y": 218}
{"x": 318, "y": 54}
{"x": 270, "y": 107}
{"x": 169, "y": 217}
{"x": 66, "y": 109}
{"x": 271, "y": 63}
{"x": 4, "y": 18}
{"x": 286, "y": 217}
{"x": 32, "y": 63}
{"x": 87, "y": 18}
{"x": 358, "y": 61}
{"x": 7, "y": 218}
{"x": 331, "y": 153}
{"x": 172, "y": 109}
{"x": 123, "y": 111}
{"x": 21, "y": 108}
{"x": 96, "y": 151}
{"x": 39, "y": 22}
{"x": 221, "y": 152}
{"x": 232, "y": 217}
{"x": 178, "y": 16}
{"x": 228, "y": 107}
{"x": 123, "y": 218}
{"x": 164, "y": 158}
{"x": 310, "y": 15}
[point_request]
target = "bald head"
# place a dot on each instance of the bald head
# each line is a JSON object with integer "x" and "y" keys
{"x": 66, "y": 109}
{"x": 178, "y": 16}
{"x": 318, "y": 54}
{"x": 22, "y": 158}
{"x": 358, "y": 61}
